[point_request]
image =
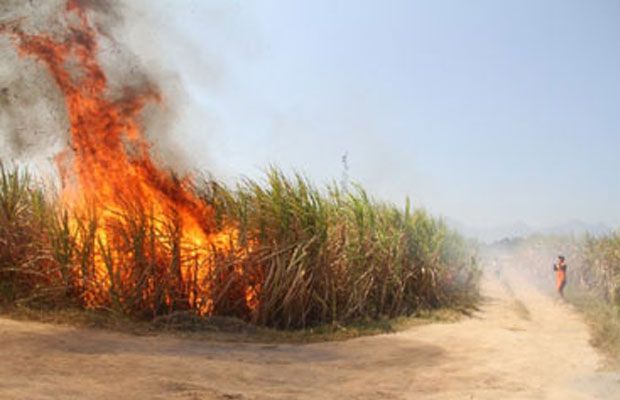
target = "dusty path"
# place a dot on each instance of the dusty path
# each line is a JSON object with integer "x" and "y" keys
{"x": 522, "y": 345}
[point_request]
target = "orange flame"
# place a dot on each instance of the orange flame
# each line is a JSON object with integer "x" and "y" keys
{"x": 109, "y": 167}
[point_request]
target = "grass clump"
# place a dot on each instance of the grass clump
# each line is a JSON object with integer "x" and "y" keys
{"x": 29, "y": 270}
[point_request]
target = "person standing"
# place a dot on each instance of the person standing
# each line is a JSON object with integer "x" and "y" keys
{"x": 560, "y": 274}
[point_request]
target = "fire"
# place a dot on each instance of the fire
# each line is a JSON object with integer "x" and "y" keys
{"x": 116, "y": 191}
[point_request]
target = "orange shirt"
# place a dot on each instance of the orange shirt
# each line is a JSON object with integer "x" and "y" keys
{"x": 560, "y": 274}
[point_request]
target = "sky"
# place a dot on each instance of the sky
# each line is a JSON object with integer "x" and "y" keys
{"x": 487, "y": 112}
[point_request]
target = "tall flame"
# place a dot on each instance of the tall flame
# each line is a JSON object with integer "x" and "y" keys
{"x": 109, "y": 166}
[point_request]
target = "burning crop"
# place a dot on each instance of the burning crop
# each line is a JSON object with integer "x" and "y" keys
{"x": 109, "y": 170}
{"x": 126, "y": 234}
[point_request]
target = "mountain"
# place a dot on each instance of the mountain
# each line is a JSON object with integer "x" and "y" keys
{"x": 577, "y": 227}
{"x": 518, "y": 229}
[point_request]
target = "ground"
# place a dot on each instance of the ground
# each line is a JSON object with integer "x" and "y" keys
{"x": 522, "y": 344}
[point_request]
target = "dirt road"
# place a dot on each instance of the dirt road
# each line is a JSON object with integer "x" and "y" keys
{"x": 521, "y": 345}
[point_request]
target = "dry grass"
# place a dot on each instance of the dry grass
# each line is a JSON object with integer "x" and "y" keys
{"x": 604, "y": 322}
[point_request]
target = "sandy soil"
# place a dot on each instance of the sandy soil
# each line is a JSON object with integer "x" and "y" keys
{"x": 521, "y": 345}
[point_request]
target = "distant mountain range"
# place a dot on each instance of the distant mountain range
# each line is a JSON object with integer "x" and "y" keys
{"x": 492, "y": 234}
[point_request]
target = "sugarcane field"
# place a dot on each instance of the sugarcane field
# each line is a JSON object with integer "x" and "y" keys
{"x": 224, "y": 199}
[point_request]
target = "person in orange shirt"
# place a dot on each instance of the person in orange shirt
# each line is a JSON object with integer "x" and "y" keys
{"x": 560, "y": 274}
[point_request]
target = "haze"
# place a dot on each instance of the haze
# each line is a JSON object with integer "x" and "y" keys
{"x": 486, "y": 112}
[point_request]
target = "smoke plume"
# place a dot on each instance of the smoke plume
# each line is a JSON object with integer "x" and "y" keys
{"x": 33, "y": 116}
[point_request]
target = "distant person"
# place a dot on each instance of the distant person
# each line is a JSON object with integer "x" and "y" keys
{"x": 560, "y": 274}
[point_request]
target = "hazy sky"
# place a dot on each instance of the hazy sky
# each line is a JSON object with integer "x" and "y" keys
{"x": 485, "y": 111}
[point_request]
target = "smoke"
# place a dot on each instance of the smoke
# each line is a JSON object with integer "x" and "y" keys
{"x": 33, "y": 119}
{"x": 108, "y": 8}
{"x": 193, "y": 49}
{"x": 532, "y": 258}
